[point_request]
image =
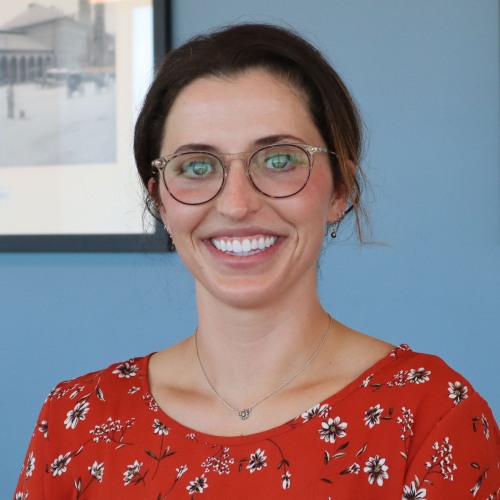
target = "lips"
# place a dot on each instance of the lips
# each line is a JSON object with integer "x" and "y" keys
{"x": 244, "y": 246}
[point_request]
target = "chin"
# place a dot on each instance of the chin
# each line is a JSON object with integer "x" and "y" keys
{"x": 241, "y": 296}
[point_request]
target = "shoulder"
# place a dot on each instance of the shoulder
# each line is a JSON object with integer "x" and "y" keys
{"x": 407, "y": 367}
{"x": 108, "y": 386}
{"x": 420, "y": 377}
{"x": 423, "y": 388}
{"x": 132, "y": 368}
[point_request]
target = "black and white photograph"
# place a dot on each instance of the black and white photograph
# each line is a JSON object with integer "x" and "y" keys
{"x": 57, "y": 68}
{"x": 72, "y": 73}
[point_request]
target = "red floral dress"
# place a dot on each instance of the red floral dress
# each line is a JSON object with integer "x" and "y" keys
{"x": 409, "y": 427}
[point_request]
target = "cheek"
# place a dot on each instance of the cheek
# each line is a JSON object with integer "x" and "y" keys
{"x": 321, "y": 196}
{"x": 182, "y": 220}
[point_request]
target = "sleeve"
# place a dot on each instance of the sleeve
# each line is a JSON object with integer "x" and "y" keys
{"x": 460, "y": 457}
{"x": 32, "y": 479}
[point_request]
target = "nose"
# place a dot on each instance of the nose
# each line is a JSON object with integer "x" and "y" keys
{"x": 238, "y": 198}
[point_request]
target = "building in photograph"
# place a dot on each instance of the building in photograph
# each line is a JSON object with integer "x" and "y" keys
{"x": 44, "y": 43}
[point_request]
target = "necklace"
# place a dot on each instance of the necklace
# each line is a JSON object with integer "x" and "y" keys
{"x": 245, "y": 413}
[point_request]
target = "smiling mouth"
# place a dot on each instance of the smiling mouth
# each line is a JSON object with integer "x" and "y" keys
{"x": 244, "y": 247}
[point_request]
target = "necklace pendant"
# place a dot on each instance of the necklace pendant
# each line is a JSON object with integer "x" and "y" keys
{"x": 244, "y": 414}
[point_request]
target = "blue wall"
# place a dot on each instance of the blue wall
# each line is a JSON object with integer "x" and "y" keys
{"x": 426, "y": 76}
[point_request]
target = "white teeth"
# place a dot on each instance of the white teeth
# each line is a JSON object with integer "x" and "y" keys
{"x": 246, "y": 246}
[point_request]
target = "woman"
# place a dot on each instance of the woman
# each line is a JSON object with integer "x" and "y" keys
{"x": 249, "y": 147}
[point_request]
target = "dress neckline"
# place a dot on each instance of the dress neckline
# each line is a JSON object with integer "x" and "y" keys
{"x": 189, "y": 433}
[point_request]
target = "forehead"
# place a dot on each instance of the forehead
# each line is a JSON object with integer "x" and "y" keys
{"x": 234, "y": 112}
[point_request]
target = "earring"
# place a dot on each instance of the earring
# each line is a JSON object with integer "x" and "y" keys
{"x": 335, "y": 225}
{"x": 171, "y": 244}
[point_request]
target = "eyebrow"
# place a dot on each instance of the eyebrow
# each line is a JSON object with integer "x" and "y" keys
{"x": 262, "y": 141}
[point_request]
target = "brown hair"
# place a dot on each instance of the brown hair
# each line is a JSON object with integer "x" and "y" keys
{"x": 236, "y": 49}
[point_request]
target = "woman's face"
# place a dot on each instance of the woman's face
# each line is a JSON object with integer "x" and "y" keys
{"x": 240, "y": 114}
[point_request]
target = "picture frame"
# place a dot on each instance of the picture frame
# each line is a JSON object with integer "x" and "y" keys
{"x": 81, "y": 202}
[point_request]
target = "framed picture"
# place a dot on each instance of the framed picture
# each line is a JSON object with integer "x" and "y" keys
{"x": 73, "y": 74}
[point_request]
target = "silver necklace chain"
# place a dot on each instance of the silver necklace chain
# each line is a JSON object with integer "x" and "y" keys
{"x": 245, "y": 413}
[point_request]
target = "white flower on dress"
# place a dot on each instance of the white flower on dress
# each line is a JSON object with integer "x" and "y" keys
{"x": 134, "y": 389}
{"x": 76, "y": 414}
{"x": 372, "y": 416}
{"x": 21, "y": 496}
{"x": 332, "y": 429}
{"x": 366, "y": 381}
{"x": 414, "y": 492}
{"x": 44, "y": 428}
{"x": 400, "y": 379}
{"x": 198, "y": 485}
{"x": 285, "y": 480}
{"x": 352, "y": 469}
{"x": 126, "y": 370}
{"x": 152, "y": 404}
{"x": 131, "y": 472}
{"x": 54, "y": 392}
{"x": 318, "y": 410}
{"x": 219, "y": 463}
{"x": 476, "y": 487}
{"x": 181, "y": 470}
{"x": 97, "y": 470}
{"x": 418, "y": 376}
{"x": 30, "y": 465}
{"x": 407, "y": 422}
{"x": 59, "y": 465}
{"x": 442, "y": 460}
{"x": 257, "y": 461}
{"x": 160, "y": 428}
{"x": 458, "y": 392}
{"x": 376, "y": 470}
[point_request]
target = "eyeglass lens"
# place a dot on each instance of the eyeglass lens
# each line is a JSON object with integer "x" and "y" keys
{"x": 277, "y": 171}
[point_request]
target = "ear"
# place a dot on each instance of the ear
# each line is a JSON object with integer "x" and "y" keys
{"x": 154, "y": 193}
{"x": 338, "y": 205}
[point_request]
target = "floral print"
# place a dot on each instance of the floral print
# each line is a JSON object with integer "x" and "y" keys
{"x": 458, "y": 392}
{"x": 409, "y": 427}
{"x": 377, "y": 470}
{"x": 198, "y": 485}
{"x": 58, "y": 466}
{"x": 257, "y": 461}
{"x": 30, "y": 465}
{"x": 372, "y": 415}
{"x": 77, "y": 414}
{"x": 126, "y": 370}
{"x": 332, "y": 429}
{"x": 132, "y": 473}
{"x": 97, "y": 470}
{"x": 414, "y": 492}
{"x": 418, "y": 376}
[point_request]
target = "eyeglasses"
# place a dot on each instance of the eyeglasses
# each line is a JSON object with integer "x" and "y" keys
{"x": 276, "y": 171}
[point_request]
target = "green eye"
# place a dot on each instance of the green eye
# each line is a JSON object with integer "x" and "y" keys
{"x": 197, "y": 168}
{"x": 280, "y": 161}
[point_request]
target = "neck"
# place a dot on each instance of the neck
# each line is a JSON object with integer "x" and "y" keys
{"x": 248, "y": 353}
